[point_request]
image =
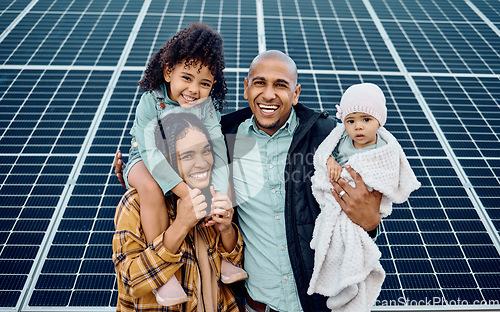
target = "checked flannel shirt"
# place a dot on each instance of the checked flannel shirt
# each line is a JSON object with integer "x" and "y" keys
{"x": 140, "y": 268}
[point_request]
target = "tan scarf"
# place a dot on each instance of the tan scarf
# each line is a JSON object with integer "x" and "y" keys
{"x": 206, "y": 275}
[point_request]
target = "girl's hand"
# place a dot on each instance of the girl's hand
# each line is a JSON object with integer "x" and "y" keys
{"x": 222, "y": 210}
{"x": 191, "y": 209}
{"x": 333, "y": 168}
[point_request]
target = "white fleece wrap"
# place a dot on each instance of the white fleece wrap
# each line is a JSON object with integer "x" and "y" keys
{"x": 346, "y": 261}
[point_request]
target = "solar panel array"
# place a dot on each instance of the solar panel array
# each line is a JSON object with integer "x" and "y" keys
{"x": 68, "y": 79}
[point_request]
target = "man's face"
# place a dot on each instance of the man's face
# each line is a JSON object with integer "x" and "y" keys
{"x": 271, "y": 91}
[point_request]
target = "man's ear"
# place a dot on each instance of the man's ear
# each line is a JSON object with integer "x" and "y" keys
{"x": 296, "y": 94}
{"x": 245, "y": 88}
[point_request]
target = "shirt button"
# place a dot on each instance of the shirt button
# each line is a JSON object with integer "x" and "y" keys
{"x": 270, "y": 140}
{"x": 273, "y": 191}
{"x": 283, "y": 247}
{"x": 286, "y": 277}
{"x": 271, "y": 166}
{"x": 278, "y": 218}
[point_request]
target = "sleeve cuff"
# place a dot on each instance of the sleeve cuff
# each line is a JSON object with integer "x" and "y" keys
{"x": 162, "y": 252}
{"x": 236, "y": 250}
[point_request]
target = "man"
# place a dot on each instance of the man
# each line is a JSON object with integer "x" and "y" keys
{"x": 271, "y": 146}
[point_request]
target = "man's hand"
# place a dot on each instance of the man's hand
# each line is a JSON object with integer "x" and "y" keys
{"x": 359, "y": 204}
{"x": 119, "y": 166}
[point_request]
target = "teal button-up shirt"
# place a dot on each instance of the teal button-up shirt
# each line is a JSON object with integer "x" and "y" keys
{"x": 259, "y": 184}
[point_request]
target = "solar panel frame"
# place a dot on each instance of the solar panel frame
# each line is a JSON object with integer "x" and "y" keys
{"x": 437, "y": 62}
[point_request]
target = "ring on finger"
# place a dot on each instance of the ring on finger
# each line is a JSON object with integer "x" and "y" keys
{"x": 228, "y": 214}
{"x": 342, "y": 193}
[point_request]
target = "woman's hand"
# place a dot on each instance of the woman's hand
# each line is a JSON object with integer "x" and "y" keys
{"x": 222, "y": 212}
{"x": 222, "y": 219}
{"x": 191, "y": 209}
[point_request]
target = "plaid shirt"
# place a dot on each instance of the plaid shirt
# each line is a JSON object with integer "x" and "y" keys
{"x": 140, "y": 268}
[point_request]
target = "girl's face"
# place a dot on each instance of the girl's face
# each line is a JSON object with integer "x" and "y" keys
{"x": 189, "y": 85}
{"x": 362, "y": 129}
{"x": 195, "y": 158}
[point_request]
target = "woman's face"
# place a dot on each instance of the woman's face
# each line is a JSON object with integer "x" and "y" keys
{"x": 195, "y": 158}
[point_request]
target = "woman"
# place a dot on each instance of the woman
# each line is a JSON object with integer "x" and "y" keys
{"x": 191, "y": 247}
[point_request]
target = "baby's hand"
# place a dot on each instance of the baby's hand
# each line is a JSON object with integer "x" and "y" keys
{"x": 333, "y": 168}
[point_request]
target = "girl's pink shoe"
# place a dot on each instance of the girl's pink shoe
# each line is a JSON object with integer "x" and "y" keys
{"x": 171, "y": 293}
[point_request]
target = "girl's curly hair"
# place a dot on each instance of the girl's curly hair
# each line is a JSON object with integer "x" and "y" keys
{"x": 195, "y": 45}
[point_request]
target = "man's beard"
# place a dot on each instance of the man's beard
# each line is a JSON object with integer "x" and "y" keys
{"x": 259, "y": 125}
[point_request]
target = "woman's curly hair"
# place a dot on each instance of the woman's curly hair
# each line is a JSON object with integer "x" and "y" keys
{"x": 196, "y": 45}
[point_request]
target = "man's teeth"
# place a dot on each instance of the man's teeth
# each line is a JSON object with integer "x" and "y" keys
{"x": 268, "y": 107}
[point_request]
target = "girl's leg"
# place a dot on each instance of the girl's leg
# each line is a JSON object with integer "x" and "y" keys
{"x": 154, "y": 221}
{"x": 154, "y": 215}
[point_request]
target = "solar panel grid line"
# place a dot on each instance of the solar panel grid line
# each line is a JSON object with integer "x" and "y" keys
{"x": 86, "y": 38}
{"x": 282, "y": 28}
{"x": 16, "y": 21}
{"x": 23, "y": 39}
{"x": 323, "y": 35}
{"x": 68, "y": 190}
{"x": 31, "y": 67}
{"x": 308, "y": 54}
{"x": 446, "y": 39}
{"x": 238, "y": 47}
{"x": 156, "y": 36}
{"x": 490, "y": 127}
{"x": 478, "y": 33}
{"x": 61, "y": 16}
{"x": 53, "y": 221}
{"x": 429, "y": 41}
{"x": 457, "y": 166}
{"x": 414, "y": 157}
{"x": 50, "y": 32}
{"x": 325, "y": 41}
{"x": 386, "y": 36}
{"x": 483, "y": 17}
{"x": 365, "y": 41}
{"x": 261, "y": 31}
{"x": 392, "y": 256}
{"x": 449, "y": 151}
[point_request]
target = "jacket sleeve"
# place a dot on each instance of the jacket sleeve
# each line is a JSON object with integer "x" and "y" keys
{"x": 144, "y": 128}
{"x": 139, "y": 266}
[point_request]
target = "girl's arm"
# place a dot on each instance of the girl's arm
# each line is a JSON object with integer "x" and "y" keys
{"x": 220, "y": 174}
{"x": 145, "y": 124}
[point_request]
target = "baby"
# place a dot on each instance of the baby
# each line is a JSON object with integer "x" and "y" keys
{"x": 346, "y": 261}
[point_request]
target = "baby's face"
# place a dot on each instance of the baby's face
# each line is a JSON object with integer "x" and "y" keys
{"x": 362, "y": 129}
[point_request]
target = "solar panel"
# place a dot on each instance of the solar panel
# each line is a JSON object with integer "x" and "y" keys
{"x": 68, "y": 81}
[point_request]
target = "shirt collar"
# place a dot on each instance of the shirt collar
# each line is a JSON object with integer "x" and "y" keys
{"x": 167, "y": 99}
{"x": 290, "y": 125}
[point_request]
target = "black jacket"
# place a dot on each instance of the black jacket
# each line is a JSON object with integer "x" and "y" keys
{"x": 301, "y": 209}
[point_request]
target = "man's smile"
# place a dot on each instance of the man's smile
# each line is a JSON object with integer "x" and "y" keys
{"x": 268, "y": 109}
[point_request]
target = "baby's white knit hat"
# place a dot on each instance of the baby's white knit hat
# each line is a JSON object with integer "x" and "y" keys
{"x": 363, "y": 98}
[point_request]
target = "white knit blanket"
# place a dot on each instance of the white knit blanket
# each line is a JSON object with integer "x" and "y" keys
{"x": 346, "y": 261}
